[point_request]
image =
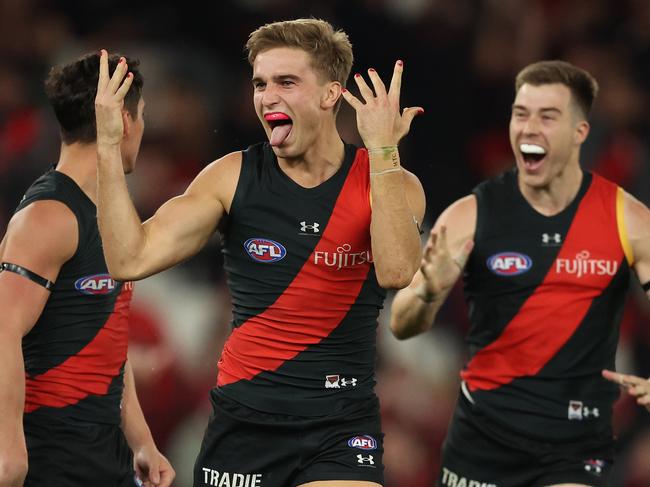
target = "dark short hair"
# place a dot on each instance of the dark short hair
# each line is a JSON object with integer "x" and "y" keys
{"x": 583, "y": 86}
{"x": 71, "y": 89}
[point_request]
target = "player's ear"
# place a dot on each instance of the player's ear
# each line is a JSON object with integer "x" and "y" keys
{"x": 126, "y": 122}
{"x": 331, "y": 95}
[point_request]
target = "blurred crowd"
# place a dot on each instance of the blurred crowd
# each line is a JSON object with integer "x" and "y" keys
{"x": 460, "y": 58}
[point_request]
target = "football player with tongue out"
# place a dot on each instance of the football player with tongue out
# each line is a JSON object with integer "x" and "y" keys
{"x": 545, "y": 250}
{"x": 315, "y": 231}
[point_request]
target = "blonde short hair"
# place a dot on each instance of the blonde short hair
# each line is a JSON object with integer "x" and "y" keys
{"x": 330, "y": 50}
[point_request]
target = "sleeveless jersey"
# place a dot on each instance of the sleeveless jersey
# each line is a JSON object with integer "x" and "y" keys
{"x": 75, "y": 353}
{"x": 305, "y": 296}
{"x": 546, "y": 297}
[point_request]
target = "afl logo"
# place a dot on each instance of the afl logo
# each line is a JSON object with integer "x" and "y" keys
{"x": 97, "y": 284}
{"x": 264, "y": 250}
{"x": 363, "y": 442}
{"x": 509, "y": 263}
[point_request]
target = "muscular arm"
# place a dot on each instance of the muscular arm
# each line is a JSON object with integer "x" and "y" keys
{"x": 450, "y": 243}
{"x": 40, "y": 238}
{"x": 397, "y": 196}
{"x": 178, "y": 230}
{"x": 637, "y": 223}
{"x": 397, "y": 201}
{"x": 149, "y": 463}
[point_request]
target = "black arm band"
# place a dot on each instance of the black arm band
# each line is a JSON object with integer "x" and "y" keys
{"x": 646, "y": 286}
{"x": 32, "y": 276}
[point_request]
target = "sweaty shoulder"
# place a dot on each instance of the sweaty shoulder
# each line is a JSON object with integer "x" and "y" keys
{"x": 41, "y": 237}
{"x": 219, "y": 179}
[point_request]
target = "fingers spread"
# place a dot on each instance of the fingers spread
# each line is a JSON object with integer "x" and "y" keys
{"x": 351, "y": 99}
{"x": 118, "y": 76}
{"x": 377, "y": 83}
{"x": 364, "y": 89}
{"x": 396, "y": 83}
{"x": 408, "y": 114}
{"x": 103, "y": 70}
{"x": 121, "y": 93}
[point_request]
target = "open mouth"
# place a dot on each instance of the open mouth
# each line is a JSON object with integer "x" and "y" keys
{"x": 281, "y": 125}
{"x": 533, "y": 155}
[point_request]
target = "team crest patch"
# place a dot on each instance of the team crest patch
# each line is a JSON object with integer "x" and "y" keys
{"x": 509, "y": 263}
{"x": 264, "y": 250}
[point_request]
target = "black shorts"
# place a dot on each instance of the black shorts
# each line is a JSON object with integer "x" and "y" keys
{"x": 258, "y": 449}
{"x": 478, "y": 452}
{"x": 77, "y": 454}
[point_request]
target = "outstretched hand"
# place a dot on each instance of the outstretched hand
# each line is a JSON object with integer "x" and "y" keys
{"x": 637, "y": 387}
{"x": 439, "y": 267}
{"x": 379, "y": 120}
{"x": 109, "y": 101}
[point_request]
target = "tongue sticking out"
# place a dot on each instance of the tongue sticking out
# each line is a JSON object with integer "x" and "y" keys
{"x": 280, "y": 133}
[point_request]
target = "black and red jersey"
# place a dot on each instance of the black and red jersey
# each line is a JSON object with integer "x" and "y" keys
{"x": 305, "y": 296}
{"x": 546, "y": 296}
{"x": 75, "y": 353}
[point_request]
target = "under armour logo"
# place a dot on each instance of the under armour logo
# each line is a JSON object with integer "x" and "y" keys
{"x": 312, "y": 228}
{"x": 348, "y": 382}
{"x": 552, "y": 239}
{"x": 362, "y": 460}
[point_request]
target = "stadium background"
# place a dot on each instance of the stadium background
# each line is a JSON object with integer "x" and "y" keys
{"x": 460, "y": 60}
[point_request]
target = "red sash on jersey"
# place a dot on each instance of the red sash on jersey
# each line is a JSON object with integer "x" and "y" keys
{"x": 590, "y": 257}
{"x": 89, "y": 372}
{"x": 318, "y": 298}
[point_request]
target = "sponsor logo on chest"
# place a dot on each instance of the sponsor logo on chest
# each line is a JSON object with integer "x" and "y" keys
{"x": 344, "y": 257}
{"x": 583, "y": 265}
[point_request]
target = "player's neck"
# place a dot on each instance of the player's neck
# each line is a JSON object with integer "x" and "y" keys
{"x": 320, "y": 161}
{"x": 553, "y": 198}
{"x": 79, "y": 162}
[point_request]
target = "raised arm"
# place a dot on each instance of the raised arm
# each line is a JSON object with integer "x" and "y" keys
{"x": 397, "y": 196}
{"x": 39, "y": 239}
{"x": 445, "y": 254}
{"x": 181, "y": 227}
